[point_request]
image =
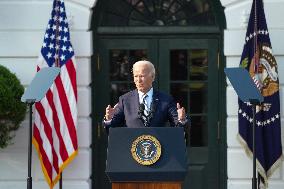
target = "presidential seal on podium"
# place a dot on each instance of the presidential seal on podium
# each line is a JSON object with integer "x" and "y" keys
{"x": 146, "y": 150}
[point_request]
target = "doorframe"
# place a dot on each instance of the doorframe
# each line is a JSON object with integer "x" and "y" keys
{"x": 198, "y": 32}
{"x": 96, "y": 118}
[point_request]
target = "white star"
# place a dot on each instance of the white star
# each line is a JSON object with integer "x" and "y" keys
{"x": 244, "y": 114}
{"x": 61, "y": 9}
{"x": 262, "y": 31}
{"x": 57, "y": 47}
{"x": 55, "y": 56}
{"x": 250, "y": 36}
{"x": 54, "y": 27}
{"x": 64, "y": 39}
{"x": 240, "y": 110}
{"x": 48, "y": 55}
{"x": 247, "y": 38}
{"x": 268, "y": 121}
{"x": 63, "y": 48}
{"x": 52, "y": 36}
{"x": 65, "y": 29}
{"x": 250, "y": 120}
{"x": 277, "y": 116}
{"x": 70, "y": 49}
{"x": 254, "y": 34}
{"x": 48, "y": 26}
{"x": 266, "y": 32}
{"x": 66, "y": 21}
{"x": 46, "y": 36}
{"x": 51, "y": 46}
{"x": 272, "y": 119}
{"x": 55, "y": 18}
{"x": 44, "y": 45}
{"x": 258, "y": 123}
{"x": 58, "y": 37}
{"x": 56, "y": 8}
{"x": 60, "y": 28}
{"x": 60, "y": 19}
{"x": 62, "y": 57}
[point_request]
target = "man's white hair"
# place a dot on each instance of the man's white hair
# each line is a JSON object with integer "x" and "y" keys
{"x": 145, "y": 62}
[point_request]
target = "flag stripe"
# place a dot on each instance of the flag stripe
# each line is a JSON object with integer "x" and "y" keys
{"x": 63, "y": 152}
{"x": 46, "y": 135}
{"x": 69, "y": 92}
{"x": 55, "y": 135}
{"x": 63, "y": 129}
{"x": 44, "y": 158}
{"x": 66, "y": 112}
{"x": 72, "y": 75}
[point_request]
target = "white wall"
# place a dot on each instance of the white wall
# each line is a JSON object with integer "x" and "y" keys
{"x": 22, "y": 26}
{"x": 237, "y": 15}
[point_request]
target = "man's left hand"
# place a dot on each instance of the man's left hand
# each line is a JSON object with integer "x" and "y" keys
{"x": 181, "y": 113}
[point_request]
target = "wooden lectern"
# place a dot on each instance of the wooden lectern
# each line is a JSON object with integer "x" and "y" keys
{"x": 124, "y": 172}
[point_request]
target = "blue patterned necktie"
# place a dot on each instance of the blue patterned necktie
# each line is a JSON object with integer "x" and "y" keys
{"x": 145, "y": 114}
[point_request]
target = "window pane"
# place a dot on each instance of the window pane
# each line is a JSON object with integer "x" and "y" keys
{"x": 121, "y": 62}
{"x": 198, "y": 64}
{"x": 158, "y": 13}
{"x": 198, "y": 131}
{"x": 118, "y": 89}
{"x": 179, "y": 65}
{"x": 180, "y": 92}
{"x": 198, "y": 98}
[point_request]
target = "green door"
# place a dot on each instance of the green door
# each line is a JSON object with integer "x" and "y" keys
{"x": 187, "y": 69}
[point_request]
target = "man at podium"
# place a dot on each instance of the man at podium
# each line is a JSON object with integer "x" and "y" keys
{"x": 145, "y": 106}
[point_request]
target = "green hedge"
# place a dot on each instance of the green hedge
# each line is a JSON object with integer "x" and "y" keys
{"x": 12, "y": 110}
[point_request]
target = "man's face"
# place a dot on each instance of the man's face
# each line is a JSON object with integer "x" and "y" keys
{"x": 143, "y": 78}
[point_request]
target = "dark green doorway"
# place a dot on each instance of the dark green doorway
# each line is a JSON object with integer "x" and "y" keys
{"x": 186, "y": 68}
{"x": 184, "y": 41}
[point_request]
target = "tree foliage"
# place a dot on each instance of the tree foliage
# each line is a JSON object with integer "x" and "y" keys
{"x": 12, "y": 110}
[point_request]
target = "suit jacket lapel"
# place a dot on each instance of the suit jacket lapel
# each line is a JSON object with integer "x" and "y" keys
{"x": 135, "y": 101}
{"x": 154, "y": 106}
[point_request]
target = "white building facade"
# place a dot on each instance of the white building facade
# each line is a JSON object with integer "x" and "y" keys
{"x": 22, "y": 27}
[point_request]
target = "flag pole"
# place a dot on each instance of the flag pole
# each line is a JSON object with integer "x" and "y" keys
{"x": 60, "y": 181}
{"x": 57, "y": 64}
{"x": 254, "y": 102}
{"x": 29, "y": 179}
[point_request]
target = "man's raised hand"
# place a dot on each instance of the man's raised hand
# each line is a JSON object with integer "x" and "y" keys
{"x": 110, "y": 112}
{"x": 181, "y": 112}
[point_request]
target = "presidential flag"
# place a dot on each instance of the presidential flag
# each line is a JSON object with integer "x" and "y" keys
{"x": 54, "y": 131}
{"x": 258, "y": 59}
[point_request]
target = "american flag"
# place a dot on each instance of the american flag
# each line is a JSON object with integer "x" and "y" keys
{"x": 258, "y": 59}
{"x": 54, "y": 131}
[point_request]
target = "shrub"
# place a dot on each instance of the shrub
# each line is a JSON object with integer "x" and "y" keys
{"x": 12, "y": 110}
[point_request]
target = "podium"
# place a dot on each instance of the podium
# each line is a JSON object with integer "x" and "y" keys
{"x": 34, "y": 93}
{"x": 126, "y": 147}
{"x": 247, "y": 91}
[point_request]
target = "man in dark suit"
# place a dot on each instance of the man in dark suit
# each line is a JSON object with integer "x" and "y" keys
{"x": 145, "y": 107}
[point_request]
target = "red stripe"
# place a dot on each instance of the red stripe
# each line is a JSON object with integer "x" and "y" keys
{"x": 66, "y": 112}
{"x": 62, "y": 148}
{"x": 72, "y": 75}
{"x": 47, "y": 130}
{"x": 45, "y": 161}
{"x": 47, "y": 127}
